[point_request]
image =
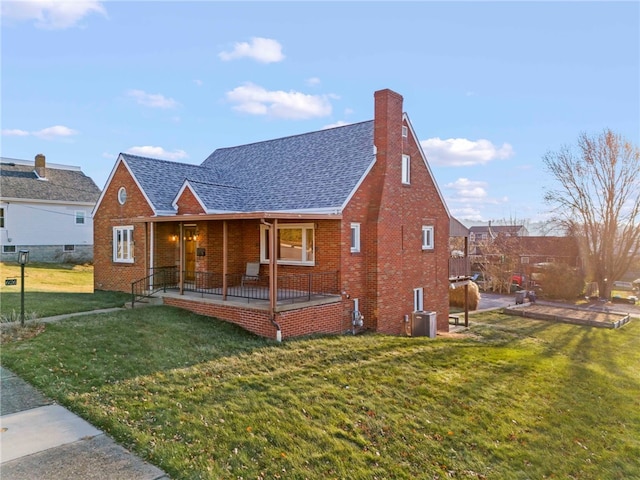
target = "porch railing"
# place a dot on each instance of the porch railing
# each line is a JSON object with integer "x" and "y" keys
{"x": 291, "y": 287}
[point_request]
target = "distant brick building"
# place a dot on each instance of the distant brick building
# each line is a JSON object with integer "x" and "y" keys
{"x": 347, "y": 225}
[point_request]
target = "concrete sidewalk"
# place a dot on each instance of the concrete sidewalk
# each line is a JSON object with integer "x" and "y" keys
{"x": 42, "y": 440}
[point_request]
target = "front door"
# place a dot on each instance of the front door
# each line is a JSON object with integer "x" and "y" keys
{"x": 190, "y": 253}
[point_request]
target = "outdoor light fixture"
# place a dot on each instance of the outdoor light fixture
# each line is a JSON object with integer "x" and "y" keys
{"x": 23, "y": 257}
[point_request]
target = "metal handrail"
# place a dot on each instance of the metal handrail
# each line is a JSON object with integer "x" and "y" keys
{"x": 161, "y": 278}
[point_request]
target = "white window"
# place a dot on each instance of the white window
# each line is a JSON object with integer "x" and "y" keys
{"x": 123, "y": 244}
{"x": 122, "y": 196}
{"x": 427, "y": 237}
{"x": 405, "y": 131}
{"x": 418, "y": 299}
{"x": 294, "y": 244}
{"x": 406, "y": 169}
{"x": 524, "y": 259}
{"x": 355, "y": 237}
{"x": 79, "y": 217}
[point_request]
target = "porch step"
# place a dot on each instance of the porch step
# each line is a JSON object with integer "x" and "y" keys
{"x": 145, "y": 302}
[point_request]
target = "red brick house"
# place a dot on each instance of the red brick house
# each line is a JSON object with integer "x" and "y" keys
{"x": 352, "y": 214}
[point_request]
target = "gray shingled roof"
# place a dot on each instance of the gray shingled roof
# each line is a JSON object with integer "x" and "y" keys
{"x": 316, "y": 170}
{"x": 20, "y": 181}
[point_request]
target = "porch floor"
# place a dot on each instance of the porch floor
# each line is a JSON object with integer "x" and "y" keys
{"x": 260, "y": 302}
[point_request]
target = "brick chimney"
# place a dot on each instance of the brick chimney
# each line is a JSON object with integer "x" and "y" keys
{"x": 41, "y": 166}
{"x": 387, "y": 125}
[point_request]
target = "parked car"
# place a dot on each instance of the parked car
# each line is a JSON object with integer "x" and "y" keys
{"x": 623, "y": 286}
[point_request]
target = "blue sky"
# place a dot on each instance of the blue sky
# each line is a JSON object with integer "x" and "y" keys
{"x": 489, "y": 87}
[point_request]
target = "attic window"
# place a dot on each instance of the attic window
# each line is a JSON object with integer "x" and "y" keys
{"x": 405, "y": 131}
{"x": 122, "y": 195}
{"x": 406, "y": 169}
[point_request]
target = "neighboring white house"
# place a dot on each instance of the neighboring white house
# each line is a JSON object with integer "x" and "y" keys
{"x": 46, "y": 209}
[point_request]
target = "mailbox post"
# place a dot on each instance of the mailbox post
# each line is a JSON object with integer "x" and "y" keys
{"x": 23, "y": 258}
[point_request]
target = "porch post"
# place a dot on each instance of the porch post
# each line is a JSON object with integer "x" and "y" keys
{"x": 224, "y": 259}
{"x": 152, "y": 231}
{"x": 180, "y": 266}
{"x": 273, "y": 266}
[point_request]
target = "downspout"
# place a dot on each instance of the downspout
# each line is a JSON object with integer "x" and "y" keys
{"x": 273, "y": 271}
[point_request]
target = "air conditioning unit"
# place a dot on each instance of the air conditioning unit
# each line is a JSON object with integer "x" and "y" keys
{"x": 423, "y": 324}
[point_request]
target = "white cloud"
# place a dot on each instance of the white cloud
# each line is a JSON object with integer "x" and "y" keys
{"x": 198, "y": 82}
{"x": 14, "y": 132}
{"x": 313, "y": 81}
{"x": 255, "y": 100}
{"x": 55, "y": 132}
{"x": 157, "y": 152}
{"x": 467, "y": 213}
{"x": 48, "y": 133}
{"x": 339, "y": 123}
{"x": 154, "y": 100}
{"x": 458, "y": 152}
{"x": 467, "y": 198}
{"x": 52, "y": 14}
{"x": 263, "y": 50}
{"x": 466, "y": 189}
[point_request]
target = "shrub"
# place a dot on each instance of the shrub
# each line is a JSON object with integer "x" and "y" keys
{"x": 456, "y": 296}
{"x": 561, "y": 282}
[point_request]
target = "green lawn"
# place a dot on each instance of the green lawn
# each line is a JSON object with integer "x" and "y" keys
{"x": 52, "y": 289}
{"x": 516, "y": 399}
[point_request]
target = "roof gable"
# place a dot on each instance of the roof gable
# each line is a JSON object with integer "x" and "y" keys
{"x": 312, "y": 172}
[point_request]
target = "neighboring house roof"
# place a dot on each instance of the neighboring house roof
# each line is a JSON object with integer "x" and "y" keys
{"x": 494, "y": 230}
{"x": 317, "y": 171}
{"x": 62, "y": 183}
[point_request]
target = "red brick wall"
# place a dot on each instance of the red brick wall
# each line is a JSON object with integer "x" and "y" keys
{"x": 109, "y": 275}
{"x": 319, "y": 319}
{"x": 188, "y": 203}
{"x": 391, "y": 262}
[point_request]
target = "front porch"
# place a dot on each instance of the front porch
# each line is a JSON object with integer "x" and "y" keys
{"x": 304, "y": 303}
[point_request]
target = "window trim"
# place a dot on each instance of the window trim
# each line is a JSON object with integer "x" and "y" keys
{"x": 428, "y": 237}
{"x": 129, "y": 258}
{"x": 405, "y": 131}
{"x": 9, "y": 249}
{"x": 418, "y": 299}
{"x": 68, "y": 248}
{"x": 122, "y": 195}
{"x": 355, "y": 237}
{"x": 83, "y": 215}
{"x": 264, "y": 229}
{"x": 406, "y": 169}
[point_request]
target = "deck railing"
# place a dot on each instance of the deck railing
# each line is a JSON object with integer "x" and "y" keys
{"x": 459, "y": 267}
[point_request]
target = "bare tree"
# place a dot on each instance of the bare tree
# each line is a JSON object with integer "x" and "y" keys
{"x": 598, "y": 202}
